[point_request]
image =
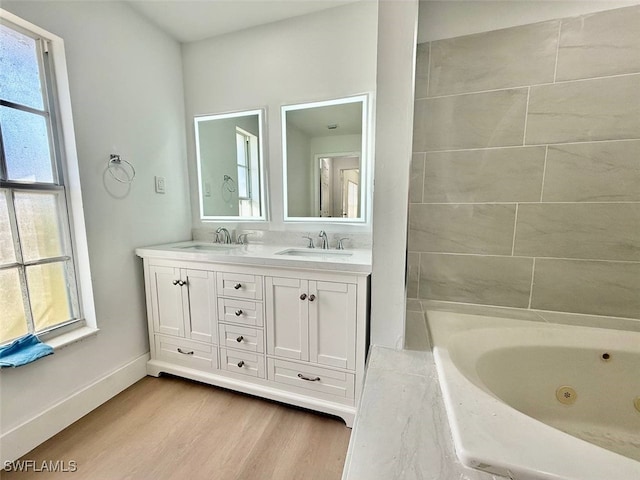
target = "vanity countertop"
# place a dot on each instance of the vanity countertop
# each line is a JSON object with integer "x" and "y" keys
{"x": 350, "y": 260}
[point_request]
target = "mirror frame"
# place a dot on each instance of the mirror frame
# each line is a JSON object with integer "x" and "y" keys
{"x": 261, "y": 162}
{"x": 365, "y": 160}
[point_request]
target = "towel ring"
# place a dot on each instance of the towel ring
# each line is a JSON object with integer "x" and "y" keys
{"x": 229, "y": 183}
{"x": 117, "y": 163}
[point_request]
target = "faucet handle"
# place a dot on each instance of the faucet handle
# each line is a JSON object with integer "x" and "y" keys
{"x": 310, "y": 245}
{"x": 216, "y": 239}
{"x": 241, "y": 239}
{"x": 340, "y": 244}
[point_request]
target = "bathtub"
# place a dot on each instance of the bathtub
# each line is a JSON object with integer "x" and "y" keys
{"x": 531, "y": 400}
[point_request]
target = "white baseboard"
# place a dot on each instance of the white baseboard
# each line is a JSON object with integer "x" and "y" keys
{"x": 27, "y": 436}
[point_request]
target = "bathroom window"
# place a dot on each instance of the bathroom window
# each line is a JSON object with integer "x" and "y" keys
{"x": 248, "y": 180}
{"x": 38, "y": 267}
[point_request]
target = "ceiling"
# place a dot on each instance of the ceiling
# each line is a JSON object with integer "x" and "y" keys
{"x": 190, "y": 21}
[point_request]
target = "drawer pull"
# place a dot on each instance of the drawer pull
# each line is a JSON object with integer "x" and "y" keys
{"x": 237, "y": 286}
{"x": 239, "y": 339}
{"x": 239, "y": 312}
{"x": 184, "y": 353}
{"x": 316, "y": 379}
{"x": 241, "y": 364}
{"x": 303, "y": 296}
{"x": 312, "y": 297}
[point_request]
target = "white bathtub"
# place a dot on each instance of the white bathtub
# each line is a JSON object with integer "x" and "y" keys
{"x": 501, "y": 380}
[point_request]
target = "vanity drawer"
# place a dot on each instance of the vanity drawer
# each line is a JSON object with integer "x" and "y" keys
{"x": 244, "y": 363}
{"x": 239, "y": 285}
{"x": 186, "y": 353}
{"x": 240, "y": 311}
{"x": 310, "y": 377}
{"x": 241, "y": 338}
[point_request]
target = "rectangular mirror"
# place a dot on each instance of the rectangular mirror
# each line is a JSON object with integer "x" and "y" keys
{"x": 326, "y": 164}
{"x": 230, "y": 166}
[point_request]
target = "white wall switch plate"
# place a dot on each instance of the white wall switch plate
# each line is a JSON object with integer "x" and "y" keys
{"x": 160, "y": 185}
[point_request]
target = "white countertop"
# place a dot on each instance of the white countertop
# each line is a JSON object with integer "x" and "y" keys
{"x": 401, "y": 431}
{"x": 349, "y": 260}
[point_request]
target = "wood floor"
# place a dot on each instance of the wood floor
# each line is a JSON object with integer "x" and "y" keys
{"x": 171, "y": 428}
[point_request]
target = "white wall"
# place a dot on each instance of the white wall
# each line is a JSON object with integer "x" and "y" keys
{"x": 126, "y": 91}
{"x": 325, "y": 55}
{"x": 397, "y": 25}
{"x": 448, "y": 19}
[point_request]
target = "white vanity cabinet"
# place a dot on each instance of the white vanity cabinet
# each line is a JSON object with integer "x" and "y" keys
{"x": 292, "y": 334}
{"x": 182, "y": 302}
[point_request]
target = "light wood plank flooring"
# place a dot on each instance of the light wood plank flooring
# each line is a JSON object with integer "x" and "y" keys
{"x": 171, "y": 428}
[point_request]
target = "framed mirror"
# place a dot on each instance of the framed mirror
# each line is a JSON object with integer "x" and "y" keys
{"x": 326, "y": 160}
{"x": 229, "y": 156}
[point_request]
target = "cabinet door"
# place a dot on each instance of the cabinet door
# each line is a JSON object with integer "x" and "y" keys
{"x": 332, "y": 324}
{"x": 287, "y": 317}
{"x": 199, "y": 305}
{"x": 166, "y": 299}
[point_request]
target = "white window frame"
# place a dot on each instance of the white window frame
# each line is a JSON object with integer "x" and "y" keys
{"x": 61, "y": 114}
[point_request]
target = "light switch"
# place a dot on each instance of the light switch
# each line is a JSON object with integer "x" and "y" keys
{"x": 160, "y": 184}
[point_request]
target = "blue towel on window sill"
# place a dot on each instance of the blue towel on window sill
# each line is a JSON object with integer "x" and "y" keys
{"x": 23, "y": 350}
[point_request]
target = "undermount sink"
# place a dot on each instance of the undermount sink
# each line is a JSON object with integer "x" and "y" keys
{"x": 208, "y": 246}
{"x": 308, "y": 252}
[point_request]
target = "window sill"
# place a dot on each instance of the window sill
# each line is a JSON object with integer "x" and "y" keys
{"x": 61, "y": 341}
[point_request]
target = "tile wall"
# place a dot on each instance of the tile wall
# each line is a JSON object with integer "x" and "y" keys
{"x": 525, "y": 181}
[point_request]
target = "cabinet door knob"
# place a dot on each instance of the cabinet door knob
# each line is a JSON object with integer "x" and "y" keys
{"x": 312, "y": 297}
{"x": 237, "y": 286}
{"x": 241, "y": 364}
{"x": 175, "y": 282}
{"x": 239, "y": 312}
{"x": 184, "y": 353}
{"x": 182, "y": 283}
{"x": 303, "y": 296}
{"x": 315, "y": 379}
{"x": 239, "y": 339}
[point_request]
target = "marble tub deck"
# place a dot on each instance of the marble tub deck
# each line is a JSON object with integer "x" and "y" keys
{"x": 401, "y": 431}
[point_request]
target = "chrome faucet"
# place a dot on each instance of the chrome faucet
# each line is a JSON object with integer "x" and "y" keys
{"x": 325, "y": 242}
{"x": 226, "y": 237}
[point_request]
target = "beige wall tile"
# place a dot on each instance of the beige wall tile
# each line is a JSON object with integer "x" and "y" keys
{"x": 490, "y": 119}
{"x": 606, "y": 231}
{"x": 593, "y": 172}
{"x": 601, "y": 109}
{"x": 492, "y": 175}
{"x": 502, "y": 281}
{"x": 482, "y": 229}
{"x": 422, "y": 70}
{"x": 582, "y": 286}
{"x": 605, "y": 43}
{"x": 413, "y": 274}
{"x": 512, "y": 57}
{"x": 416, "y": 179}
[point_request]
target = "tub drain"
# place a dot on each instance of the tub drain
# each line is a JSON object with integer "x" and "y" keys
{"x": 566, "y": 395}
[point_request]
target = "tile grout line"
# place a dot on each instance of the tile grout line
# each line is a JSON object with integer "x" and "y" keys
{"x": 496, "y": 255}
{"x": 521, "y": 87}
{"x": 611, "y": 202}
{"x": 533, "y": 271}
{"x": 526, "y": 116}
{"x": 424, "y": 176}
{"x": 515, "y": 225}
{"x": 555, "y": 69}
{"x": 531, "y": 145}
{"x": 544, "y": 174}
